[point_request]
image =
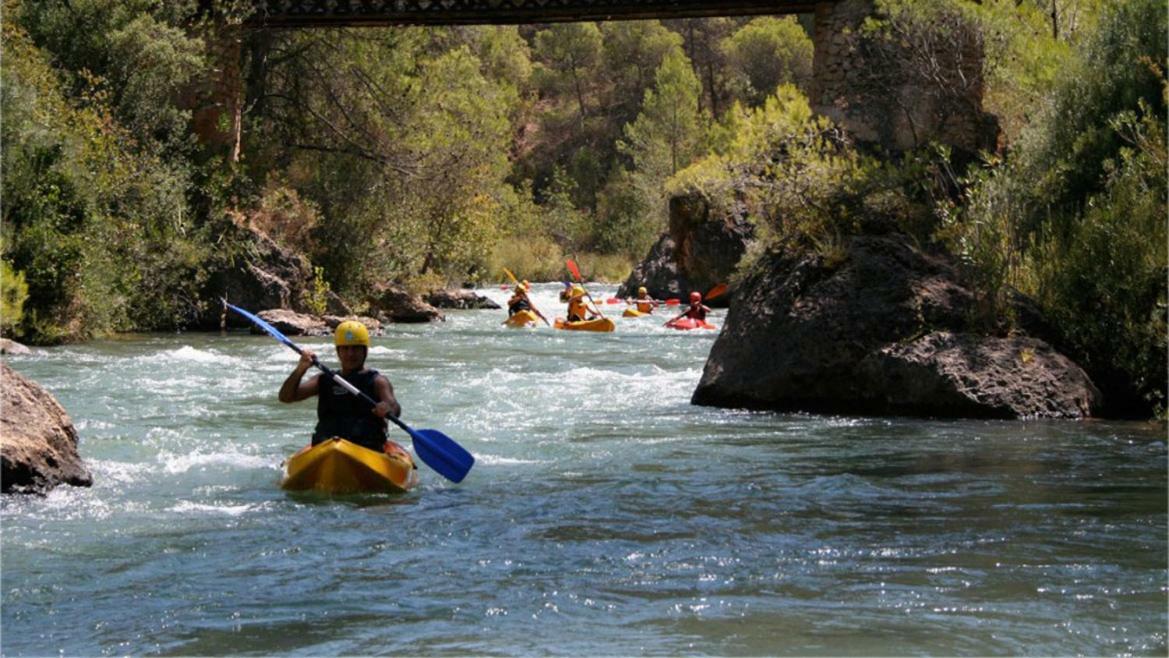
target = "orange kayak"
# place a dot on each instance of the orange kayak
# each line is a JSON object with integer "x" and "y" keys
{"x": 598, "y": 324}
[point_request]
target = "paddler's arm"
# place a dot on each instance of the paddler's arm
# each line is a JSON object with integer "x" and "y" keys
{"x": 387, "y": 403}
{"x": 293, "y": 389}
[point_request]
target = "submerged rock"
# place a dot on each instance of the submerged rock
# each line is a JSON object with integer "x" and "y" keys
{"x": 460, "y": 299}
{"x": 887, "y": 329}
{"x": 38, "y": 443}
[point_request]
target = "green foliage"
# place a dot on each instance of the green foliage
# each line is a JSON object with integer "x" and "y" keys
{"x": 13, "y": 293}
{"x": 532, "y": 257}
{"x": 667, "y": 135}
{"x": 95, "y": 218}
{"x": 567, "y": 54}
{"x": 766, "y": 53}
{"x": 606, "y": 268}
{"x": 1107, "y": 284}
{"x": 1076, "y": 214}
{"x": 318, "y": 293}
{"x": 631, "y": 53}
{"x": 621, "y": 226}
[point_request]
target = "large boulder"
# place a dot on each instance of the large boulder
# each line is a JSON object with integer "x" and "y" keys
{"x": 459, "y": 299}
{"x": 38, "y": 443}
{"x": 393, "y": 303}
{"x": 701, "y": 249}
{"x": 882, "y": 328}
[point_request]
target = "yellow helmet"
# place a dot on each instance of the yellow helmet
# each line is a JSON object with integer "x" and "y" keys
{"x": 642, "y": 291}
{"x": 527, "y": 286}
{"x": 577, "y": 290}
{"x": 351, "y": 332}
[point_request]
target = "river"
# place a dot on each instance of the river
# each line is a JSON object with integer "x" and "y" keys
{"x": 605, "y": 515}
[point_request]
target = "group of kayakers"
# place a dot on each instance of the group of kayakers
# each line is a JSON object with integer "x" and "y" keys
{"x": 580, "y": 307}
{"x": 357, "y": 408}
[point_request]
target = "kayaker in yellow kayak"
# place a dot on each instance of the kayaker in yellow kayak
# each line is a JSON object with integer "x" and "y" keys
{"x": 519, "y": 300}
{"x": 340, "y": 413}
{"x": 519, "y": 303}
{"x": 578, "y": 309}
{"x": 643, "y": 302}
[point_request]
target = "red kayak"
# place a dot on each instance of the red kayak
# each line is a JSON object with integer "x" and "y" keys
{"x": 689, "y": 323}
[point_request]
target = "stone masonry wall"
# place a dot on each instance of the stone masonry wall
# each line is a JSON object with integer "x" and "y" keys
{"x": 883, "y": 94}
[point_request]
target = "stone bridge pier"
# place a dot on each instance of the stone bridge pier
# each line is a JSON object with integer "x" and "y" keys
{"x": 903, "y": 94}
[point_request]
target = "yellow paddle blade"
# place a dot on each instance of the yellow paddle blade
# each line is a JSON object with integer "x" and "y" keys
{"x": 510, "y": 275}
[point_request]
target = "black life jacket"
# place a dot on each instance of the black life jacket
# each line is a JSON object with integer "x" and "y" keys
{"x": 521, "y": 305}
{"x": 340, "y": 413}
{"x": 697, "y": 313}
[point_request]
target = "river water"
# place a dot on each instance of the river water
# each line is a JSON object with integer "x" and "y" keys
{"x": 605, "y": 515}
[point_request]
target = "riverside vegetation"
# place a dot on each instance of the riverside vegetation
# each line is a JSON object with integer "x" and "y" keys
{"x": 440, "y": 155}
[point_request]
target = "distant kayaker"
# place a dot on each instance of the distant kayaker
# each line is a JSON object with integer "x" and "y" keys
{"x": 340, "y": 413}
{"x": 696, "y": 310}
{"x": 578, "y": 309}
{"x": 643, "y": 301}
{"x": 519, "y": 300}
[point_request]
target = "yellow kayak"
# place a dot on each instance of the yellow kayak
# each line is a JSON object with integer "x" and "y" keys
{"x": 598, "y": 324}
{"x": 634, "y": 313}
{"x": 337, "y": 466}
{"x": 523, "y": 319}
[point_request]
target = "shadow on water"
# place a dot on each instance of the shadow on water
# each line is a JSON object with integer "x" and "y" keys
{"x": 356, "y": 500}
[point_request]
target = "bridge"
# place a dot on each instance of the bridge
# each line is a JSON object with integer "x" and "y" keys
{"x": 898, "y": 115}
{"x": 321, "y": 13}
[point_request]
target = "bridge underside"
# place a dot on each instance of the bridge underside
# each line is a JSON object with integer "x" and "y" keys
{"x": 322, "y": 13}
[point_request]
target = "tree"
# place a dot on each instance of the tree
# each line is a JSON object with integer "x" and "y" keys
{"x": 766, "y": 53}
{"x": 632, "y": 52}
{"x": 667, "y": 136}
{"x": 568, "y": 54}
{"x": 668, "y": 133}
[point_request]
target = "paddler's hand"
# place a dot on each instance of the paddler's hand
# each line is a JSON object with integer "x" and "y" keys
{"x": 381, "y": 409}
{"x": 307, "y": 358}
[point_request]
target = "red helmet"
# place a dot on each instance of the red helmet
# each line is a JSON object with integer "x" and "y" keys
{"x": 695, "y": 297}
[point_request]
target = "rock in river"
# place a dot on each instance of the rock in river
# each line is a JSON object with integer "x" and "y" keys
{"x": 38, "y": 443}
{"x": 885, "y": 329}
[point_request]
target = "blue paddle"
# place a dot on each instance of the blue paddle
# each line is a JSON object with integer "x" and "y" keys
{"x": 437, "y": 450}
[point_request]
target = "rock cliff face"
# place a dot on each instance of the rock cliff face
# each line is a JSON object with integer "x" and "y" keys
{"x": 700, "y": 250}
{"x": 38, "y": 443}
{"x": 888, "y": 330}
{"x": 265, "y": 276}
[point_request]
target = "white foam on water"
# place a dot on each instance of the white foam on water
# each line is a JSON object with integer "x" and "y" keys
{"x": 188, "y": 507}
{"x": 496, "y": 460}
{"x": 188, "y": 354}
{"x": 176, "y": 463}
{"x": 106, "y": 470}
{"x": 382, "y": 350}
